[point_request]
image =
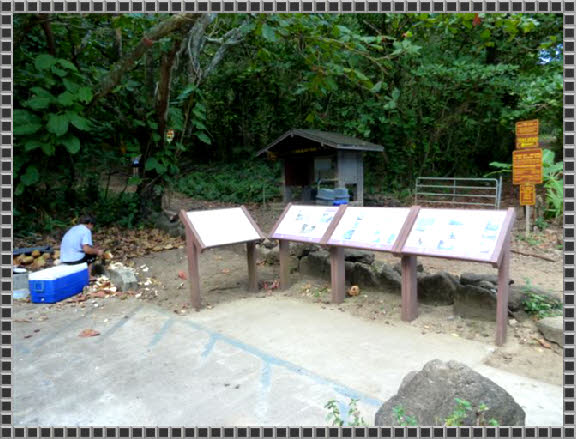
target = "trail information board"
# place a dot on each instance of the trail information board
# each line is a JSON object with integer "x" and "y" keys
{"x": 223, "y": 226}
{"x": 304, "y": 223}
{"x": 527, "y": 134}
{"x": 375, "y": 228}
{"x": 527, "y": 166}
{"x": 458, "y": 234}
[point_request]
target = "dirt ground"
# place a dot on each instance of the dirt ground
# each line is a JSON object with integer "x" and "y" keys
{"x": 536, "y": 261}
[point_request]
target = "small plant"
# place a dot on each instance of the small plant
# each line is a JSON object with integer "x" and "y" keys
{"x": 538, "y": 305}
{"x": 402, "y": 418}
{"x": 541, "y": 223}
{"x": 480, "y": 420}
{"x": 354, "y": 417}
{"x": 459, "y": 413}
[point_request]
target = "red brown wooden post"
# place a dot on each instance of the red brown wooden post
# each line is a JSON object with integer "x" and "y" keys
{"x": 284, "y": 256}
{"x": 338, "y": 273}
{"x": 193, "y": 270}
{"x": 502, "y": 295}
{"x": 251, "y": 257}
{"x": 409, "y": 288}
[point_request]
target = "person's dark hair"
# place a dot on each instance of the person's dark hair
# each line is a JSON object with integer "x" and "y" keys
{"x": 87, "y": 219}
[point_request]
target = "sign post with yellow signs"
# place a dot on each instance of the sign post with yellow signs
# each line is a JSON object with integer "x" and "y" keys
{"x": 527, "y": 164}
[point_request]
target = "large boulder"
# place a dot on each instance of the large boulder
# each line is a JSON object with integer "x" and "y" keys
{"x": 552, "y": 329}
{"x": 271, "y": 256}
{"x": 359, "y": 256}
{"x": 475, "y": 279}
{"x": 437, "y": 289}
{"x": 316, "y": 264}
{"x": 362, "y": 275}
{"x": 123, "y": 278}
{"x": 388, "y": 278}
{"x": 429, "y": 396}
{"x": 170, "y": 224}
{"x": 300, "y": 249}
{"x": 475, "y": 302}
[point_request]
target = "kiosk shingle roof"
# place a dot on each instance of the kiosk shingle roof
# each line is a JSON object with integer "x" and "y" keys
{"x": 325, "y": 138}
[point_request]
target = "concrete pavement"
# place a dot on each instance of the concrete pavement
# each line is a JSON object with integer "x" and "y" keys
{"x": 273, "y": 361}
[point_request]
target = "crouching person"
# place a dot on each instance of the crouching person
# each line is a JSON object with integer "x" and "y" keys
{"x": 77, "y": 245}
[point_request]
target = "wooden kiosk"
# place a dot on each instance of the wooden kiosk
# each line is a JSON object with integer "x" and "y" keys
{"x": 313, "y": 159}
{"x": 214, "y": 228}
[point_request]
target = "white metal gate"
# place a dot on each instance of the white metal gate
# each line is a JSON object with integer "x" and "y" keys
{"x": 458, "y": 191}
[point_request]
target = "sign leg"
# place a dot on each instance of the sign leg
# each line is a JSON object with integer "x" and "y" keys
{"x": 251, "y": 256}
{"x": 193, "y": 271}
{"x": 338, "y": 274}
{"x": 502, "y": 295}
{"x": 528, "y": 214}
{"x": 284, "y": 256}
{"x": 409, "y": 288}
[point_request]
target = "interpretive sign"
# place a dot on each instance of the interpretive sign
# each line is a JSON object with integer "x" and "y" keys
{"x": 212, "y": 228}
{"x": 304, "y": 223}
{"x": 527, "y": 194}
{"x": 374, "y": 228}
{"x": 223, "y": 226}
{"x": 527, "y": 166}
{"x": 457, "y": 234}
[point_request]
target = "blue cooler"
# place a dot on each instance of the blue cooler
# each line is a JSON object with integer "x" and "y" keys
{"x": 58, "y": 283}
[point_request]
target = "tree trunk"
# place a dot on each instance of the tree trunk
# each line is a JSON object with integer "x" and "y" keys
{"x": 45, "y": 22}
{"x": 127, "y": 63}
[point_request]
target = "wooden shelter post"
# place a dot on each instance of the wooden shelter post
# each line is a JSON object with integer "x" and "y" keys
{"x": 284, "y": 256}
{"x": 338, "y": 274}
{"x": 409, "y": 288}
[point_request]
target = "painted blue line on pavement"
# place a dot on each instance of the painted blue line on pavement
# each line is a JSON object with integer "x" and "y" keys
{"x": 265, "y": 376}
{"x": 272, "y": 360}
{"x": 209, "y": 345}
{"x": 121, "y": 322}
{"x": 160, "y": 333}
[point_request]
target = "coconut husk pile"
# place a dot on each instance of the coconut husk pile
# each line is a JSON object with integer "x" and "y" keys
{"x": 37, "y": 260}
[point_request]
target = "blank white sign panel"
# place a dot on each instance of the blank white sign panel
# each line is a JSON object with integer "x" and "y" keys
{"x": 223, "y": 226}
{"x": 305, "y": 223}
{"x": 374, "y": 228}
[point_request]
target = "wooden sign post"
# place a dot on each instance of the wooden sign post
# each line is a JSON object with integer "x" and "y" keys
{"x": 527, "y": 164}
{"x": 471, "y": 235}
{"x": 214, "y": 228}
{"x": 307, "y": 224}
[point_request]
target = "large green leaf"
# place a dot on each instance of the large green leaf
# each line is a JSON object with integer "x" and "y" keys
{"x": 33, "y": 144}
{"x": 57, "y": 124}
{"x": 72, "y": 143}
{"x": 38, "y": 103}
{"x": 66, "y": 98}
{"x": 31, "y": 176}
{"x": 151, "y": 163}
{"x": 78, "y": 121}
{"x": 85, "y": 94}
{"x": 26, "y": 122}
{"x": 44, "y": 61}
{"x": 203, "y": 137}
{"x": 67, "y": 64}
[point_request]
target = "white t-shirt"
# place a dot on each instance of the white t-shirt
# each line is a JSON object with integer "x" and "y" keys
{"x": 72, "y": 242}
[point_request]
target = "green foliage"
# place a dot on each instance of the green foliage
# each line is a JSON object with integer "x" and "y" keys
{"x": 241, "y": 182}
{"x": 538, "y": 305}
{"x": 354, "y": 418}
{"x": 459, "y": 414}
{"x": 402, "y": 418}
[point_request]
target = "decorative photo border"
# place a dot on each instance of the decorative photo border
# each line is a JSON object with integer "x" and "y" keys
{"x": 267, "y": 6}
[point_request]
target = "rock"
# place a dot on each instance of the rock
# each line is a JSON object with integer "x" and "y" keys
{"x": 474, "y": 302}
{"x": 475, "y": 279}
{"x": 429, "y": 395}
{"x": 552, "y": 329}
{"x": 269, "y": 244}
{"x": 518, "y": 294}
{"x": 363, "y": 275}
{"x": 316, "y": 264}
{"x": 300, "y": 249}
{"x": 437, "y": 289}
{"x": 388, "y": 278}
{"x": 398, "y": 268}
{"x": 359, "y": 256}
{"x": 171, "y": 225}
{"x": 98, "y": 268}
{"x": 123, "y": 278}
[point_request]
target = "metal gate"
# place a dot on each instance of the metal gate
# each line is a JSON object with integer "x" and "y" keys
{"x": 458, "y": 191}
